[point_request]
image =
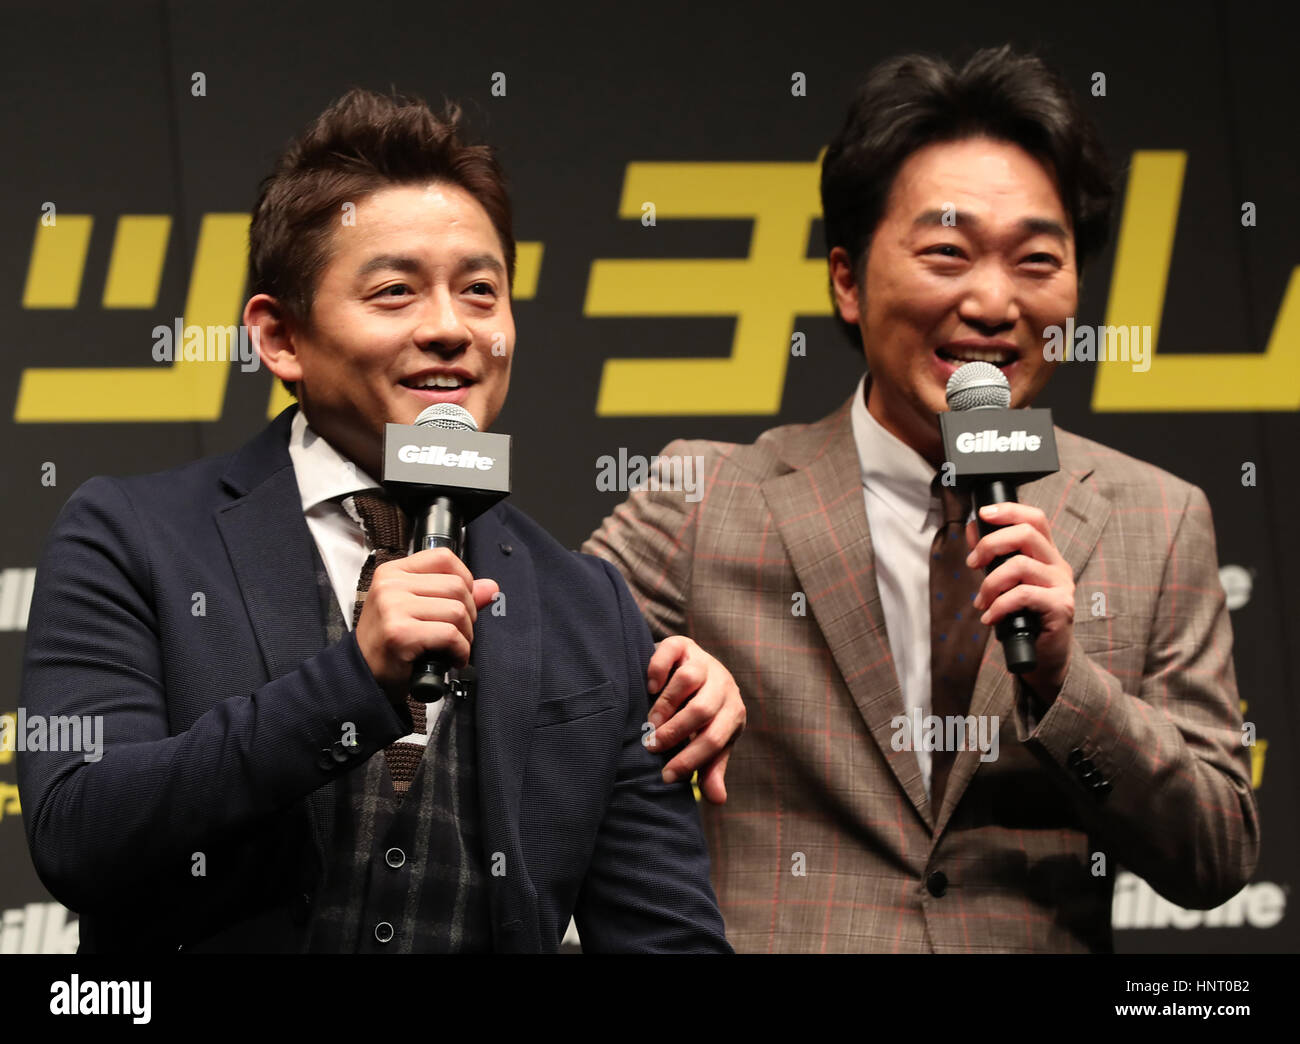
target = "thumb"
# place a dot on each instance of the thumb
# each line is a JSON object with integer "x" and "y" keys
{"x": 711, "y": 779}
{"x": 484, "y": 592}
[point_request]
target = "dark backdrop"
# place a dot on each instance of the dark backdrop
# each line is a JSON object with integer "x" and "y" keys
{"x": 100, "y": 117}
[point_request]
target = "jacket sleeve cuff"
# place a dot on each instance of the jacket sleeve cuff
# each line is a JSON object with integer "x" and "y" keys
{"x": 1077, "y": 731}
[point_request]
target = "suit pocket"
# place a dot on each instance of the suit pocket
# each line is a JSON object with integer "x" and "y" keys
{"x": 557, "y": 710}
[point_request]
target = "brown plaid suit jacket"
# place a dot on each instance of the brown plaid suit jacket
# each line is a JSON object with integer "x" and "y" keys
{"x": 1028, "y": 846}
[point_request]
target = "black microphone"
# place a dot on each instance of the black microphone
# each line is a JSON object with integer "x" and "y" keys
{"x": 446, "y": 473}
{"x": 990, "y": 449}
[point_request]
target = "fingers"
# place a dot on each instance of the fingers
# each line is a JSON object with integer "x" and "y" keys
{"x": 436, "y": 573}
{"x": 484, "y": 592}
{"x": 435, "y": 560}
{"x": 701, "y": 705}
{"x": 691, "y": 682}
{"x": 707, "y": 745}
{"x": 667, "y": 655}
{"x": 447, "y": 639}
{"x": 1034, "y": 575}
{"x": 1011, "y": 513}
{"x": 1020, "y": 569}
{"x": 410, "y": 619}
{"x": 429, "y": 586}
{"x": 1047, "y": 601}
{"x": 1022, "y": 538}
{"x": 424, "y": 603}
{"x": 712, "y": 784}
{"x": 400, "y": 642}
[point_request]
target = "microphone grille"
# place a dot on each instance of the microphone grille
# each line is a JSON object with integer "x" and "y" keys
{"x": 978, "y": 385}
{"x": 447, "y": 415}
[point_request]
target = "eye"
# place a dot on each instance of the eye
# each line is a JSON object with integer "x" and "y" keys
{"x": 481, "y": 288}
{"x": 388, "y": 291}
{"x": 1044, "y": 258}
{"x": 946, "y": 250}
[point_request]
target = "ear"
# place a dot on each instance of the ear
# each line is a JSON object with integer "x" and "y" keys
{"x": 269, "y": 328}
{"x": 844, "y": 285}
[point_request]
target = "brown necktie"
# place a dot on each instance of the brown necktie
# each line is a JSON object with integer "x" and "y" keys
{"x": 956, "y": 635}
{"x": 388, "y": 534}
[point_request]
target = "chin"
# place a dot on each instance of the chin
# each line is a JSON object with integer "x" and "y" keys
{"x": 933, "y": 399}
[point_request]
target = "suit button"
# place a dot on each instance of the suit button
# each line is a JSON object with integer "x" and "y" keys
{"x": 325, "y": 760}
{"x": 339, "y": 752}
{"x": 395, "y": 857}
{"x": 1075, "y": 756}
{"x": 383, "y": 932}
{"x": 937, "y": 883}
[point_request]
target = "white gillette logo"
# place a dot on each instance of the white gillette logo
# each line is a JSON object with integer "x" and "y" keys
{"x": 991, "y": 442}
{"x": 438, "y": 455}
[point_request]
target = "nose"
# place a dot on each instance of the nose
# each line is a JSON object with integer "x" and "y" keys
{"x": 441, "y": 328}
{"x": 989, "y": 302}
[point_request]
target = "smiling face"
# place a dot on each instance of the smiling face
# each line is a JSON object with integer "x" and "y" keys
{"x": 984, "y": 285}
{"x": 412, "y": 308}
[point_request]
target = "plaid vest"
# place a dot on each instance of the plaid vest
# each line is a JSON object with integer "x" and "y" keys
{"x": 404, "y": 875}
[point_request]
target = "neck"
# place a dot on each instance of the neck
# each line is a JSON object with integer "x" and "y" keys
{"x": 360, "y": 447}
{"x": 924, "y": 438}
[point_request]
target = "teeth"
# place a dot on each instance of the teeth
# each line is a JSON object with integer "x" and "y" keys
{"x": 979, "y": 355}
{"x": 437, "y": 381}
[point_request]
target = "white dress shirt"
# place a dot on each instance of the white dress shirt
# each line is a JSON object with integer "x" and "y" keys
{"x": 903, "y": 516}
{"x": 326, "y": 479}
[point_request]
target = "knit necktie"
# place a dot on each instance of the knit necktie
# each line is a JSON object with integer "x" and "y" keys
{"x": 388, "y": 534}
{"x": 956, "y": 635}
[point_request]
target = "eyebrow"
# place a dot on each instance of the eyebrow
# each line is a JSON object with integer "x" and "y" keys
{"x": 411, "y": 265}
{"x": 1030, "y": 226}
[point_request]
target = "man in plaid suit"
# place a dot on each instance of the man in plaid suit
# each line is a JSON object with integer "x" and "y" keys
{"x": 959, "y": 206}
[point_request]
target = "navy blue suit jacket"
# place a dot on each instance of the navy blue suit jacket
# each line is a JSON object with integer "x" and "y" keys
{"x": 214, "y": 725}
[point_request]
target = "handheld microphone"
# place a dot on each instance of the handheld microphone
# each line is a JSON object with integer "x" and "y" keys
{"x": 991, "y": 449}
{"x": 448, "y": 473}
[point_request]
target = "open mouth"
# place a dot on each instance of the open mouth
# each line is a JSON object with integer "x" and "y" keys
{"x": 958, "y": 355}
{"x": 437, "y": 382}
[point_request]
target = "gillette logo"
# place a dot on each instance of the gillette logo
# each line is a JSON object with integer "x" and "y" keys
{"x": 438, "y": 455}
{"x": 991, "y": 442}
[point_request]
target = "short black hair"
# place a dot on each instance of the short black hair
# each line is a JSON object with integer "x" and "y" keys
{"x": 914, "y": 100}
{"x": 363, "y": 142}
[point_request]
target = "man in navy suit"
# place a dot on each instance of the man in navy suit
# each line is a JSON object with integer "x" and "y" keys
{"x": 245, "y": 627}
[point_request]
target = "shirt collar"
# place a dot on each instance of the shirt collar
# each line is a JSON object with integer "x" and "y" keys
{"x": 891, "y": 469}
{"x": 323, "y": 472}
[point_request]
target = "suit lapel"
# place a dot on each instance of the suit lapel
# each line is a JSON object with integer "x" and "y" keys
{"x": 272, "y": 554}
{"x": 507, "y": 664}
{"x": 819, "y": 511}
{"x": 270, "y": 549}
{"x": 1076, "y": 516}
